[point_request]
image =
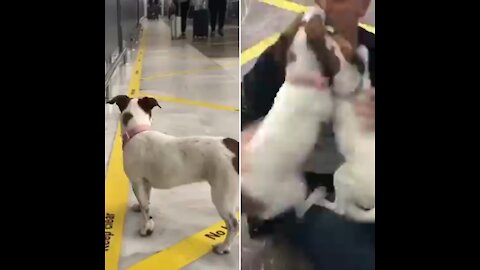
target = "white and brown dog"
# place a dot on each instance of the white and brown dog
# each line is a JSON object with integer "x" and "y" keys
{"x": 354, "y": 180}
{"x": 155, "y": 160}
{"x": 322, "y": 69}
{"x": 286, "y": 136}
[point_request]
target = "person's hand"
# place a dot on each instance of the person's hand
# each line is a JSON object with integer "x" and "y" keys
{"x": 365, "y": 108}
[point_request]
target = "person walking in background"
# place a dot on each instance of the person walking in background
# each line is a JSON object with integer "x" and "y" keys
{"x": 217, "y": 11}
{"x": 181, "y": 9}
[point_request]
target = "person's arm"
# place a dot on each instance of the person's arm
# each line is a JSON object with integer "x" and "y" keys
{"x": 260, "y": 86}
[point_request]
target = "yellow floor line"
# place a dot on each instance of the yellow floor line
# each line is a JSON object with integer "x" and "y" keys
{"x": 186, "y": 251}
{"x": 287, "y": 5}
{"x": 189, "y": 71}
{"x": 256, "y": 50}
{"x": 116, "y": 183}
{"x": 116, "y": 198}
{"x": 134, "y": 86}
{"x": 368, "y": 27}
{"x": 191, "y": 102}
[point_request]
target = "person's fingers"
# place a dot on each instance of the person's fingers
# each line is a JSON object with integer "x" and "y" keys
{"x": 365, "y": 110}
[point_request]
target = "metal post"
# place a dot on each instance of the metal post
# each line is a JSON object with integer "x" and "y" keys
{"x": 138, "y": 13}
{"x": 119, "y": 27}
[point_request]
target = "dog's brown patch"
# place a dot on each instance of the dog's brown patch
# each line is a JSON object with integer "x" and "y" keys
{"x": 349, "y": 52}
{"x": 280, "y": 48}
{"x": 316, "y": 39}
{"x": 147, "y": 104}
{"x": 291, "y": 57}
{"x": 126, "y": 117}
{"x": 122, "y": 101}
{"x": 233, "y": 146}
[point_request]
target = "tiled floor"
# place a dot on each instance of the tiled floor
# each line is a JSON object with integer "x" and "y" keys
{"x": 206, "y": 72}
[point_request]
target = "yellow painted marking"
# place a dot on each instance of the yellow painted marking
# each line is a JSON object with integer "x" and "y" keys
{"x": 191, "y": 102}
{"x": 186, "y": 251}
{"x": 368, "y": 27}
{"x": 189, "y": 71}
{"x": 134, "y": 86}
{"x": 287, "y": 5}
{"x": 177, "y": 55}
{"x": 255, "y": 51}
{"x": 116, "y": 183}
{"x": 116, "y": 197}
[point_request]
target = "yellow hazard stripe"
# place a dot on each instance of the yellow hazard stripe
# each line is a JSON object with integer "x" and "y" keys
{"x": 116, "y": 197}
{"x": 189, "y": 71}
{"x": 183, "y": 101}
{"x": 256, "y": 50}
{"x": 186, "y": 251}
{"x": 134, "y": 86}
{"x": 287, "y": 5}
{"x": 116, "y": 183}
{"x": 368, "y": 27}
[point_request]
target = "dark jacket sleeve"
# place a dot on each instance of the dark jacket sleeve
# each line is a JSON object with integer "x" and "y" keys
{"x": 260, "y": 86}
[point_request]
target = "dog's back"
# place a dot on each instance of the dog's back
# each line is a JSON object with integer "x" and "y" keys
{"x": 167, "y": 161}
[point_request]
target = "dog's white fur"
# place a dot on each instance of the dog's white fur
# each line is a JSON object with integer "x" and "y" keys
{"x": 354, "y": 180}
{"x": 289, "y": 132}
{"x": 156, "y": 160}
{"x": 286, "y": 137}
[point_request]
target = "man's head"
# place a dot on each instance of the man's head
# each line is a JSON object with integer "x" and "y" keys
{"x": 345, "y": 15}
{"x": 135, "y": 112}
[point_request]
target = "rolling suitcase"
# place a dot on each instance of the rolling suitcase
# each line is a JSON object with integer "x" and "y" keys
{"x": 200, "y": 21}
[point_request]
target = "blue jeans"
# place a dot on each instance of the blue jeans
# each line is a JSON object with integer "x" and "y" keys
{"x": 330, "y": 241}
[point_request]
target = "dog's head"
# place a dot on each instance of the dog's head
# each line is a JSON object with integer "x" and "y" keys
{"x": 134, "y": 111}
{"x": 311, "y": 44}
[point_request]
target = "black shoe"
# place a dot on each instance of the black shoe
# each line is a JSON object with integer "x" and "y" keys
{"x": 212, "y": 33}
{"x": 220, "y": 32}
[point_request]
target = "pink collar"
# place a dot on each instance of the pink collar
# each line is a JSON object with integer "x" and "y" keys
{"x": 129, "y": 134}
{"x": 312, "y": 79}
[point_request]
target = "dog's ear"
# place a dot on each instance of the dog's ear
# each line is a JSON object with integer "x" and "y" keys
{"x": 321, "y": 3}
{"x": 147, "y": 104}
{"x": 316, "y": 40}
{"x": 121, "y": 101}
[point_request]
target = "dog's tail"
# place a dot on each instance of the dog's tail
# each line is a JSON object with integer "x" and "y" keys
{"x": 234, "y": 148}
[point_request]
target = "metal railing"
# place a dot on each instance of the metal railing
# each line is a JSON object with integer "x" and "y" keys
{"x": 111, "y": 70}
{"x": 124, "y": 40}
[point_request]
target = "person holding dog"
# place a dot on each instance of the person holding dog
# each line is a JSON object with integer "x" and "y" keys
{"x": 329, "y": 240}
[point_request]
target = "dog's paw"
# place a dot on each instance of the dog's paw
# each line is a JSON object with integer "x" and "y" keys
{"x": 136, "y": 208}
{"x": 147, "y": 229}
{"x": 220, "y": 249}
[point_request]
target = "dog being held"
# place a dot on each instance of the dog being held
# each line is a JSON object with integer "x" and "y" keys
{"x": 155, "y": 160}
{"x": 285, "y": 138}
{"x": 320, "y": 65}
{"x": 354, "y": 180}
